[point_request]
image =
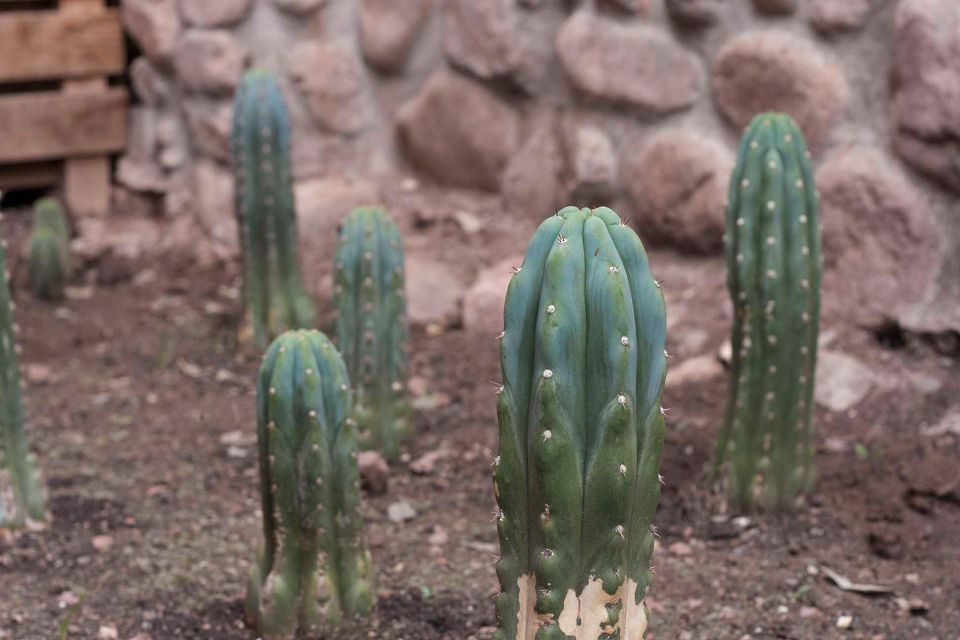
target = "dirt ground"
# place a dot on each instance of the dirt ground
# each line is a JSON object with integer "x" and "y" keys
{"x": 141, "y": 412}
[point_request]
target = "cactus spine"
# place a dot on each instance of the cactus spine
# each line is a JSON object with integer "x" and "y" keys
{"x": 774, "y": 266}
{"x": 49, "y": 250}
{"x": 313, "y": 568}
{"x": 581, "y": 429}
{"x": 274, "y": 298}
{"x": 21, "y": 494}
{"x": 371, "y": 325}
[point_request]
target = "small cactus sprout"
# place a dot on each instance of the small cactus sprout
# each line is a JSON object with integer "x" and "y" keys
{"x": 581, "y": 431}
{"x": 371, "y": 325}
{"x": 774, "y": 266}
{"x": 49, "y": 250}
{"x": 21, "y": 494}
{"x": 274, "y": 298}
{"x": 313, "y": 569}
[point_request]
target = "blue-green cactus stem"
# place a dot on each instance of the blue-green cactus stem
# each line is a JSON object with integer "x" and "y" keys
{"x": 50, "y": 264}
{"x": 774, "y": 271}
{"x": 21, "y": 493}
{"x": 581, "y": 429}
{"x": 313, "y": 570}
{"x": 274, "y": 298}
{"x": 371, "y": 325}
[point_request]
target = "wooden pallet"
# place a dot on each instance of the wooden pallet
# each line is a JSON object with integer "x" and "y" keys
{"x": 59, "y": 119}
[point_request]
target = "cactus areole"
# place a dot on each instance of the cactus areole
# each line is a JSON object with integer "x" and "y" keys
{"x": 371, "y": 326}
{"x": 274, "y": 298}
{"x": 774, "y": 267}
{"x": 581, "y": 429}
{"x": 21, "y": 493}
{"x": 313, "y": 570}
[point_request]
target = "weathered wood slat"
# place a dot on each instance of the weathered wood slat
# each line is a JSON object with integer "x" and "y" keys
{"x": 51, "y": 124}
{"x": 78, "y": 40}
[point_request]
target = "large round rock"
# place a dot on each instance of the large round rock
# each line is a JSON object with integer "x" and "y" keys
{"x": 458, "y": 132}
{"x": 926, "y": 88}
{"x": 677, "y": 185}
{"x": 880, "y": 247}
{"x": 776, "y": 71}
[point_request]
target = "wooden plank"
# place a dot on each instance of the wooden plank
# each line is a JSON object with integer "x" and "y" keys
{"x": 50, "y": 124}
{"x": 86, "y": 181}
{"x": 79, "y": 40}
{"x": 29, "y": 176}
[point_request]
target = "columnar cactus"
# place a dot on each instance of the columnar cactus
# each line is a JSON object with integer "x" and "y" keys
{"x": 49, "y": 250}
{"x": 774, "y": 266}
{"x": 21, "y": 494}
{"x": 313, "y": 568}
{"x": 581, "y": 429}
{"x": 274, "y": 298}
{"x": 371, "y": 325}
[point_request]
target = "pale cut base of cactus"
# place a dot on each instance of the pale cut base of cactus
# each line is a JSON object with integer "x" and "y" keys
{"x": 590, "y": 608}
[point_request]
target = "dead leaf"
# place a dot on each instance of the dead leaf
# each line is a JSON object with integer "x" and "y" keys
{"x": 846, "y": 584}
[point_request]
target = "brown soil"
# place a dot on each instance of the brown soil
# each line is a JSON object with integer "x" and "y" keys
{"x": 142, "y": 415}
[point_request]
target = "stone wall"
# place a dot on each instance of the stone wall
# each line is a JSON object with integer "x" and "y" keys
{"x": 636, "y": 103}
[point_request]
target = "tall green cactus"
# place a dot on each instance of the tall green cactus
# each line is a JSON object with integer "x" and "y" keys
{"x": 371, "y": 325}
{"x": 774, "y": 266}
{"x": 581, "y": 429}
{"x": 21, "y": 494}
{"x": 313, "y": 568}
{"x": 274, "y": 298}
{"x": 49, "y": 250}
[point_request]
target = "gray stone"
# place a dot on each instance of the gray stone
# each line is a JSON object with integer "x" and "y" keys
{"x": 213, "y": 13}
{"x": 678, "y": 186}
{"x": 137, "y": 168}
{"x": 323, "y": 202}
{"x": 210, "y": 126}
{"x": 151, "y": 86}
{"x": 400, "y": 512}
{"x": 926, "y": 86}
{"x": 532, "y": 181}
{"x": 374, "y": 472}
{"x": 924, "y": 383}
{"x": 458, "y": 132}
{"x": 483, "y": 301}
{"x": 776, "y": 71}
{"x": 143, "y": 175}
{"x": 880, "y": 247}
{"x": 628, "y": 63}
{"x": 153, "y": 24}
{"x": 388, "y": 30}
{"x": 831, "y": 16}
{"x": 694, "y": 13}
{"x": 592, "y": 165}
{"x": 433, "y": 292}
{"x": 842, "y": 381}
{"x": 210, "y": 62}
{"x": 482, "y": 38}
{"x": 214, "y": 207}
{"x": 330, "y": 79}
